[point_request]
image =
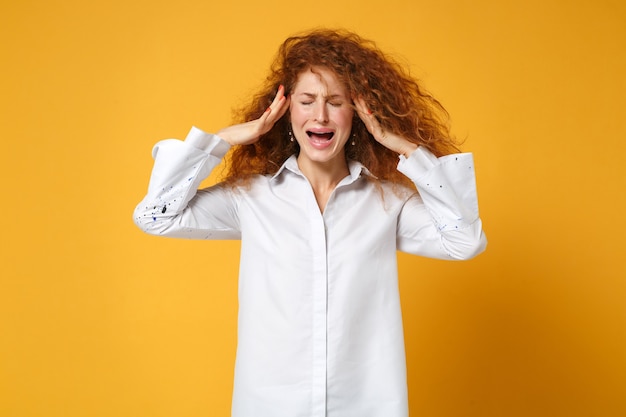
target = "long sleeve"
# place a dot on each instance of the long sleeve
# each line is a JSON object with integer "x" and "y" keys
{"x": 447, "y": 194}
{"x": 173, "y": 205}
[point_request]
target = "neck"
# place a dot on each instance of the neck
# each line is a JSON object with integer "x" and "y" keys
{"x": 323, "y": 177}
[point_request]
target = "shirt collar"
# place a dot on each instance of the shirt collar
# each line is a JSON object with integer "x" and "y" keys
{"x": 356, "y": 169}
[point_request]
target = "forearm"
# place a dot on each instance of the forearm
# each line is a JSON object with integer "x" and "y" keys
{"x": 447, "y": 190}
{"x": 179, "y": 168}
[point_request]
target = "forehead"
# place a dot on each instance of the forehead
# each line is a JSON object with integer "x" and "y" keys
{"x": 316, "y": 79}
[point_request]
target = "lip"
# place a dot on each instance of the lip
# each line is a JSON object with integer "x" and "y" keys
{"x": 320, "y": 138}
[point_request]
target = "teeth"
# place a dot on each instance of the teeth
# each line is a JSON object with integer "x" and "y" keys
{"x": 321, "y": 135}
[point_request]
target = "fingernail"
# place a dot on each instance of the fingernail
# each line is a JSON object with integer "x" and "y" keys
{"x": 268, "y": 109}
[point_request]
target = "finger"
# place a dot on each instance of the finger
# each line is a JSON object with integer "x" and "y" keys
{"x": 275, "y": 111}
{"x": 280, "y": 94}
{"x": 278, "y": 98}
{"x": 281, "y": 107}
{"x": 266, "y": 114}
{"x": 361, "y": 107}
{"x": 365, "y": 114}
{"x": 369, "y": 120}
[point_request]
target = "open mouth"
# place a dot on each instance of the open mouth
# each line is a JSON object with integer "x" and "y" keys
{"x": 320, "y": 136}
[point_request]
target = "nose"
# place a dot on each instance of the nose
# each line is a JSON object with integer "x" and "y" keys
{"x": 321, "y": 113}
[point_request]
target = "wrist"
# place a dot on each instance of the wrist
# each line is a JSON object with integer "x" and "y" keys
{"x": 400, "y": 145}
{"x": 409, "y": 149}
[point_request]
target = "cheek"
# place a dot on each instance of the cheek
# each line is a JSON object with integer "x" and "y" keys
{"x": 297, "y": 115}
{"x": 344, "y": 117}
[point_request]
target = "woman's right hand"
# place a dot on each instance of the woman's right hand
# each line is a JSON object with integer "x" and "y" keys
{"x": 249, "y": 132}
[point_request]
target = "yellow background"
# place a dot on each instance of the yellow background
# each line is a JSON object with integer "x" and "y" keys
{"x": 100, "y": 320}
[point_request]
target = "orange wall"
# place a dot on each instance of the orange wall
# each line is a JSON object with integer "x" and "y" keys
{"x": 99, "y": 320}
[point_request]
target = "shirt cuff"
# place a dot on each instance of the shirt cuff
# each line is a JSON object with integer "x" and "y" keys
{"x": 418, "y": 163}
{"x": 208, "y": 142}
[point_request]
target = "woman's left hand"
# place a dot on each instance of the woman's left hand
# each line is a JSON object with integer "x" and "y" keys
{"x": 387, "y": 139}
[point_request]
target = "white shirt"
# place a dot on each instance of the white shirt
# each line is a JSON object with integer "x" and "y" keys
{"x": 320, "y": 327}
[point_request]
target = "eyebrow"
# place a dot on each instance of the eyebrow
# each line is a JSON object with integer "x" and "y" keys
{"x": 330, "y": 97}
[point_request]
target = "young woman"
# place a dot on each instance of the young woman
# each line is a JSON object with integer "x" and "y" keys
{"x": 341, "y": 160}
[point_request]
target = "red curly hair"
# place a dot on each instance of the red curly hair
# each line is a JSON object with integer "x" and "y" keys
{"x": 397, "y": 100}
